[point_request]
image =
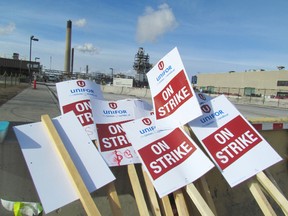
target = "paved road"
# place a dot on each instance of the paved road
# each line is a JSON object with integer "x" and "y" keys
{"x": 249, "y": 111}
{"x": 254, "y": 111}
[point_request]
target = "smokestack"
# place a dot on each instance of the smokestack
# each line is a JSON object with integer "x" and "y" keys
{"x": 68, "y": 48}
{"x": 72, "y": 61}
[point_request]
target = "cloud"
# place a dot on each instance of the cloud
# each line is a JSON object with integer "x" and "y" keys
{"x": 4, "y": 30}
{"x": 155, "y": 23}
{"x": 87, "y": 48}
{"x": 80, "y": 22}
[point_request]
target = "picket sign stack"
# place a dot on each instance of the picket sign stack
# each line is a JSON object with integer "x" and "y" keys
{"x": 173, "y": 145}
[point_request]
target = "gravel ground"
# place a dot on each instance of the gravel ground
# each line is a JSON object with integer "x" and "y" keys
{"x": 9, "y": 91}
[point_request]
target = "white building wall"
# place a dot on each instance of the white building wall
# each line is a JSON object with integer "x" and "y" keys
{"x": 254, "y": 79}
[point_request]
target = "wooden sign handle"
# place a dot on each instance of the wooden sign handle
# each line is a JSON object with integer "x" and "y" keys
{"x": 198, "y": 200}
{"x": 273, "y": 191}
{"x": 182, "y": 209}
{"x": 79, "y": 185}
{"x": 139, "y": 197}
{"x": 260, "y": 198}
{"x": 112, "y": 194}
{"x": 152, "y": 194}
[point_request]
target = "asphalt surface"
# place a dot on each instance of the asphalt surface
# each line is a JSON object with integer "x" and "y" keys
{"x": 29, "y": 105}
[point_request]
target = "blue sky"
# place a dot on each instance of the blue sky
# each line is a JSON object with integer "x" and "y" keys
{"x": 211, "y": 36}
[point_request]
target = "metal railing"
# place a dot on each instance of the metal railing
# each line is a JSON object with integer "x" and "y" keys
{"x": 267, "y": 97}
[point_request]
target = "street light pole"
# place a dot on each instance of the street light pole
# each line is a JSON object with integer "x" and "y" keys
{"x": 32, "y": 38}
{"x": 112, "y": 75}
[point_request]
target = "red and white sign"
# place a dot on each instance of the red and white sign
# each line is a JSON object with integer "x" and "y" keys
{"x": 72, "y": 88}
{"x": 170, "y": 157}
{"x": 172, "y": 93}
{"x": 113, "y": 144}
{"x": 235, "y": 146}
{"x": 75, "y": 95}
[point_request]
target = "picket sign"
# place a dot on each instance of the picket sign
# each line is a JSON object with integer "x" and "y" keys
{"x": 182, "y": 208}
{"x": 256, "y": 191}
{"x": 76, "y": 179}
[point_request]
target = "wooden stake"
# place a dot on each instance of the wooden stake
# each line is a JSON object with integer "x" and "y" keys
{"x": 273, "y": 191}
{"x": 198, "y": 200}
{"x": 261, "y": 199}
{"x": 114, "y": 199}
{"x": 180, "y": 203}
{"x": 139, "y": 197}
{"x": 206, "y": 193}
{"x": 166, "y": 205}
{"x": 80, "y": 187}
{"x": 112, "y": 194}
{"x": 152, "y": 194}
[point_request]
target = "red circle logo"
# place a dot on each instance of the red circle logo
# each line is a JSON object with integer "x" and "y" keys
{"x": 161, "y": 65}
{"x": 113, "y": 105}
{"x": 81, "y": 83}
{"x": 201, "y": 96}
{"x": 206, "y": 108}
{"x": 146, "y": 121}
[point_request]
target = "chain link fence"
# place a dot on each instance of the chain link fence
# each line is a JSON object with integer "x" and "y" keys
{"x": 267, "y": 97}
{"x": 10, "y": 79}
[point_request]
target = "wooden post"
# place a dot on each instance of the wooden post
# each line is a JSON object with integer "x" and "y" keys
{"x": 203, "y": 188}
{"x": 260, "y": 198}
{"x": 84, "y": 195}
{"x": 114, "y": 199}
{"x": 152, "y": 194}
{"x": 112, "y": 195}
{"x": 139, "y": 197}
{"x": 166, "y": 205}
{"x": 273, "y": 191}
{"x": 180, "y": 203}
{"x": 198, "y": 200}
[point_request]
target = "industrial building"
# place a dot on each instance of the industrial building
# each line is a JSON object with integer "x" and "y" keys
{"x": 256, "y": 83}
{"x": 18, "y": 67}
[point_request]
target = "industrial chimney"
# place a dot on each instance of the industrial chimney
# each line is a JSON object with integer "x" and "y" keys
{"x": 68, "y": 48}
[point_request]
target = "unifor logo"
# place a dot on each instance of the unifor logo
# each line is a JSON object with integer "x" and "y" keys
{"x": 161, "y": 65}
{"x": 201, "y": 96}
{"x": 146, "y": 121}
{"x": 113, "y": 105}
{"x": 81, "y": 83}
{"x": 206, "y": 108}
